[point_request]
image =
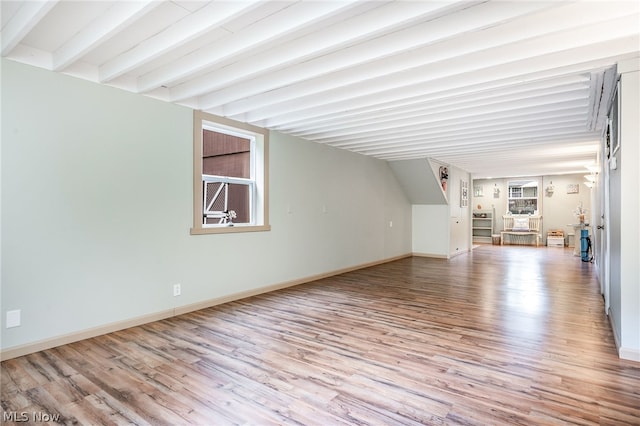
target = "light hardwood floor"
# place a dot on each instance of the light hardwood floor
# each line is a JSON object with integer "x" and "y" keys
{"x": 504, "y": 335}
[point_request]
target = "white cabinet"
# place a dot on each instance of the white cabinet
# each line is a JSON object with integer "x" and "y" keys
{"x": 482, "y": 226}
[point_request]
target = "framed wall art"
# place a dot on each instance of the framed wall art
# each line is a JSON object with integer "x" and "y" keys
{"x": 464, "y": 193}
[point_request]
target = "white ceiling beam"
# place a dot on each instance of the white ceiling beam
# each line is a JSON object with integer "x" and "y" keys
{"x": 524, "y": 152}
{"x": 118, "y": 16}
{"x": 295, "y": 17}
{"x": 424, "y": 139}
{"x": 528, "y": 152}
{"x": 464, "y": 131}
{"x": 473, "y": 95}
{"x": 178, "y": 34}
{"x": 516, "y": 140}
{"x": 417, "y": 107}
{"x": 24, "y": 20}
{"x": 460, "y": 113}
{"x": 485, "y": 138}
{"x": 532, "y": 50}
{"x": 426, "y": 123}
{"x": 585, "y": 58}
{"x": 353, "y": 65}
{"x": 339, "y": 35}
{"x": 507, "y": 167}
{"x": 455, "y": 88}
{"x": 428, "y": 133}
{"x": 372, "y": 58}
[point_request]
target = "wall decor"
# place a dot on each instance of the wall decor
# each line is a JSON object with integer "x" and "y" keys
{"x": 549, "y": 189}
{"x": 478, "y": 191}
{"x": 573, "y": 188}
{"x": 464, "y": 193}
{"x": 444, "y": 175}
{"x": 496, "y": 191}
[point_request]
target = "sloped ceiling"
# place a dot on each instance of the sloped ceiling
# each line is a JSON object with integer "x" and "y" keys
{"x": 497, "y": 88}
{"x": 418, "y": 180}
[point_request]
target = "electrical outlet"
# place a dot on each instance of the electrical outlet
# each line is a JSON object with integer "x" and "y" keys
{"x": 177, "y": 291}
{"x": 13, "y": 318}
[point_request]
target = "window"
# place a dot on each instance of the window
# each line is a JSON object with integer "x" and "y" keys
{"x": 523, "y": 197}
{"x": 229, "y": 176}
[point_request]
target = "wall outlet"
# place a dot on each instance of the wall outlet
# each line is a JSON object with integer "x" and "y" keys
{"x": 13, "y": 318}
{"x": 177, "y": 290}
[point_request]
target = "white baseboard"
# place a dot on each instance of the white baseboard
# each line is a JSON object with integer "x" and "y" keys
{"x": 254, "y": 292}
{"x": 434, "y": 255}
{"x": 41, "y": 345}
{"x": 624, "y": 353}
{"x": 28, "y": 348}
{"x": 629, "y": 354}
{"x": 616, "y": 338}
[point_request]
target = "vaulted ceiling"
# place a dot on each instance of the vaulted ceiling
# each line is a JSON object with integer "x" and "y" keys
{"x": 497, "y": 88}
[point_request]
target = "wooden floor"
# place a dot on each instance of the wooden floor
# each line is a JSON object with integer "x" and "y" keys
{"x": 504, "y": 335}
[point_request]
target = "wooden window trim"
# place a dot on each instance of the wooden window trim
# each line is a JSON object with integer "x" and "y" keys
{"x": 262, "y": 162}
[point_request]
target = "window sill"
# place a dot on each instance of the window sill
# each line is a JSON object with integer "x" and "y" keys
{"x": 230, "y": 229}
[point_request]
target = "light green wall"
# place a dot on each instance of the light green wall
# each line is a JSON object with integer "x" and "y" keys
{"x": 97, "y": 207}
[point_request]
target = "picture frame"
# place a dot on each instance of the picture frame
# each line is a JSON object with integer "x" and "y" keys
{"x": 573, "y": 188}
{"x": 464, "y": 193}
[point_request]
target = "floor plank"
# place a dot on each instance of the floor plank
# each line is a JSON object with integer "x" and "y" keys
{"x": 505, "y": 335}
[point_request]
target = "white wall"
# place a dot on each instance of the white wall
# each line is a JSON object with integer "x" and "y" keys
{"x": 443, "y": 230}
{"x": 97, "y": 207}
{"x": 629, "y": 163}
{"x": 419, "y": 181}
{"x": 430, "y": 225}
{"x": 460, "y": 216}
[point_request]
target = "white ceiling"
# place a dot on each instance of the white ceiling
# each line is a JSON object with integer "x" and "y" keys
{"x": 497, "y": 88}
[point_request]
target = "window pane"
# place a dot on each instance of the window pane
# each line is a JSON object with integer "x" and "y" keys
{"x": 523, "y": 206}
{"x": 222, "y": 197}
{"x": 239, "y": 201}
{"x": 225, "y": 155}
{"x": 523, "y": 197}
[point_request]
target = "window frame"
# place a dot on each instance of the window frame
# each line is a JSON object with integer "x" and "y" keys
{"x": 522, "y": 194}
{"x": 259, "y": 167}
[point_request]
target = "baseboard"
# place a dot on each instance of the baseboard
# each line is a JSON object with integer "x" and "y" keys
{"x": 458, "y": 253}
{"x": 616, "y": 338}
{"x": 624, "y": 353}
{"x": 434, "y": 255}
{"x": 267, "y": 289}
{"x": 629, "y": 354}
{"x": 44, "y": 344}
{"x": 65, "y": 339}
